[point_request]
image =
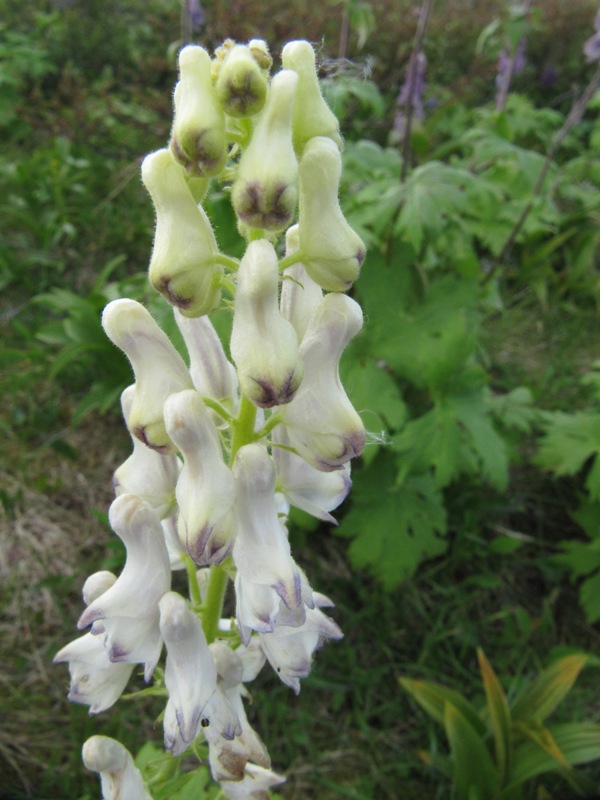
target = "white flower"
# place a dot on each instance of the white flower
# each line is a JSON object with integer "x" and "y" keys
{"x": 323, "y": 427}
{"x": 306, "y": 487}
{"x": 289, "y": 649}
{"x": 191, "y": 678}
{"x": 119, "y": 777}
{"x": 300, "y": 295}
{"x": 158, "y": 367}
{"x": 255, "y": 785}
{"x": 205, "y": 489}
{"x": 146, "y": 473}
{"x": 96, "y": 681}
{"x": 127, "y": 613}
{"x": 264, "y": 345}
{"x": 212, "y": 374}
{"x": 267, "y": 575}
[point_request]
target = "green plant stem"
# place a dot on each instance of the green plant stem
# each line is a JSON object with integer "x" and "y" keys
{"x": 213, "y": 606}
{"x": 193, "y": 587}
{"x": 243, "y": 427}
{"x": 290, "y": 260}
{"x": 226, "y": 261}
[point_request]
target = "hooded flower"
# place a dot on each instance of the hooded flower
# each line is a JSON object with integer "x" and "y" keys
{"x": 182, "y": 265}
{"x": 119, "y": 777}
{"x": 264, "y": 345}
{"x": 198, "y": 137}
{"x": 158, "y": 367}
{"x": 331, "y": 251}
{"x": 304, "y": 486}
{"x": 96, "y": 681}
{"x": 312, "y": 115}
{"x": 241, "y": 81}
{"x": 190, "y": 677}
{"x": 267, "y": 575}
{"x": 322, "y": 425}
{"x": 265, "y": 192}
{"x": 289, "y": 649}
{"x": 126, "y": 615}
{"x": 205, "y": 489}
{"x": 146, "y": 473}
{"x": 300, "y": 295}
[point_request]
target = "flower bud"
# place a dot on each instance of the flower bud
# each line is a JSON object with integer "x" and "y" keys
{"x": 312, "y": 115}
{"x": 198, "y": 136}
{"x": 181, "y": 266}
{"x": 119, "y": 777}
{"x": 205, "y": 491}
{"x": 332, "y": 252}
{"x": 158, "y": 367}
{"x": 321, "y": 423}
{"x": 241, "y": 85}
{"x": 264, "y": 345}
{"x": 265, "y": 192}
{"x": 300, "y": 295}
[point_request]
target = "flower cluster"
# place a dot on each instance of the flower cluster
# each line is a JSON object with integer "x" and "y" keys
{"x": 224, "y": 445}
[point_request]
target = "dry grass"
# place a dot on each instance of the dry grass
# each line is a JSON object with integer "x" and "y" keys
{"x": 46, "y": 535}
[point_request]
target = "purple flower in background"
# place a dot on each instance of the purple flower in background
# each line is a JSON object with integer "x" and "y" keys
{"x": 508, "y": 67}
{"x": 195, "y": 14}
{"x": 411, "y": 91}
{"x": 592, "y": 47}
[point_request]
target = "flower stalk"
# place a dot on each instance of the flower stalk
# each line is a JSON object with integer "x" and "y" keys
{"x": 223, "y": 450}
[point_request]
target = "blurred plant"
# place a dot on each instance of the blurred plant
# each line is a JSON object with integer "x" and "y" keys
{"x": 496, "y": 752}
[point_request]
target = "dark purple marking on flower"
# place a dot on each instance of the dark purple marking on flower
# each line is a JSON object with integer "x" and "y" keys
{"x": 292, "y": 600}
{"x": 276, "y": 396}
{"x": 164, "y": 287}
{"x": 139, "y": 432}
{"x": 196, "y": 545}
{"x": 265, "y": 208}
{"x": 204, "y": 159}
{"x": 188, "y": 733}
{"x": 241, "y": 99}
{"x": 117, "y": 652}
{"x": 352, "y": 446}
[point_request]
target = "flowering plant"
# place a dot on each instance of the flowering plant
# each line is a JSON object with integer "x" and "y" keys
{"x": 221, "y": 450}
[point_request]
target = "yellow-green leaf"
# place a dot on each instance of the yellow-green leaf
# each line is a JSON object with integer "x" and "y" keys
{"x": 579, "y": 742}
{"x": 433, "y": 697}
{"x": 499, "y": 715}
{"x": 550, "y": 687}
{"x": 475, "y": 777}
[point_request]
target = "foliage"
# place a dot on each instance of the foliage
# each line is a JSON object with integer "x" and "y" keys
{"x": 495, "y": 751}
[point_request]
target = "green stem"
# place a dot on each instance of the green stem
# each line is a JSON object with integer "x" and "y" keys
{"x": 215, "y": 595}
{"x": 290, "y": 260}
{"x": 226, "y": 261}
{"x": 271, "y": 423}
{"x": 243, "y": 427}
{"x": 216, "y": 406}
{"x": 193, "y": 587}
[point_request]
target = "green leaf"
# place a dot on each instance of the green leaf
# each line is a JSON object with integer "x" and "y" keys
{"x": 455, "y": 437}
{"x": 570, "y": 440}
{"x": 475, "y": 777}
{"x": 498, "y": 714}
{"x": 373, "y": 392}
{"x": 579, "y": 742}
{"x": 429, "y": 344}
{"x": 394, "y": 527}
{"x": 433, "y": 698}
{"x": 551, "y": 686}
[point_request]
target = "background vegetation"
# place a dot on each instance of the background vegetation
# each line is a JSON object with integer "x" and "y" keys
{"x": 474, "y": 516}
